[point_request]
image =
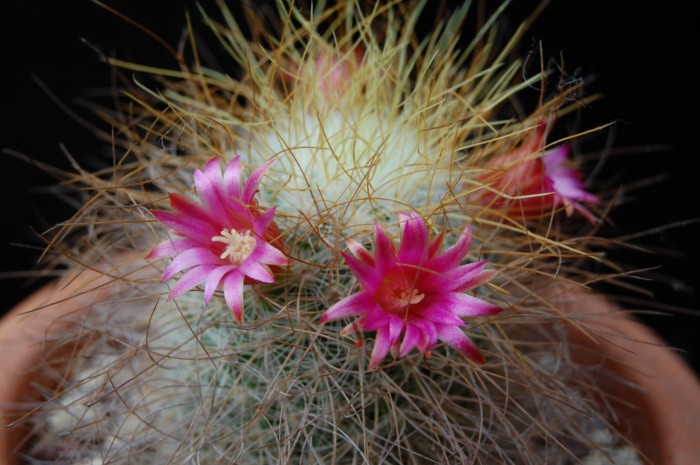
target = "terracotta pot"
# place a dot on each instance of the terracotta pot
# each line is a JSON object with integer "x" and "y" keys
{"x": 29, "y": 338}
{"x": 659, "y": 405}
{"x": 655, "y": 394}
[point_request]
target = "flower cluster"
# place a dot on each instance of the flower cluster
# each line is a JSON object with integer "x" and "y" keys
{"x": 396, "y": 200}
{"x": 413, "y": 295}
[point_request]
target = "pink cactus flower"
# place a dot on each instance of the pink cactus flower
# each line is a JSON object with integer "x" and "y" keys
{"x": 531, "y": 185}
{"x": 224, "y": 241}
{"x": 334, "y": 72}
{"x": 414, "y": 296}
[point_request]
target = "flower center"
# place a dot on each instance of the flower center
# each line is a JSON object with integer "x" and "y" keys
{"x": 396, "y": 294}
{"x": 239, "y": 245}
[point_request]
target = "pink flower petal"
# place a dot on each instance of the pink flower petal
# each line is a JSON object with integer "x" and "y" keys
{"x": 212, "y": 170}
{"x": 213, "y": 280}
{"x": 428, "y": 329}
{"x": 190, "y": 279}
{"x": 238, "y": 215}
{"x": 569, "y": 188}
{"x": 366, "y": 274}
{"x": 185, "y": 207}
{"x": 384, "y": 251}
{"x": 233, "y": 293}
{"x": 375, "y": 318}
{"x": 466, "y": 306}
{"x": 566, "y": 181}
{"x": 438, "y": 312}
{"x": 453, "y": 256}
{"x": 414, "y": 242}
{"x": 251, "y": 186}
{"x": 467, "y": 279}
{"x": 352, "y": 328}
{"x": 461, "y": 279}
{"x": 355, "y": 304}
{"x": 257, "y": 271}
{"x": 360, "y": 252}
{"x": 456, "y": 338}
{"x": 436, "y": 244}
{"x": 187, "y": 226}
{"x": 263, "y": 222}
{"x": 232, "y": 179}
{"x": 555, "y": 159}
{"x": 189, "y": 259}
{"x": 382, "y": 345}
{"x": 210, "y": 195}
{"x": 411, "y": 339}
{"x": 171, "y": 247}
{"x": 265, "y": 253}
{"x": 396, "y": 327}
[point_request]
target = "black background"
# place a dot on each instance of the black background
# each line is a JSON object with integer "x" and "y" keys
{"x": 640, "y": 57}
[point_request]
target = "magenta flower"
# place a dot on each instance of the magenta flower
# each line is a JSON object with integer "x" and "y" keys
{"x": 331, "y": 73}
{"x": 533, "y": 185}
{"x": 335, "y": 73}
{"x": 224, "y": 241}
{"x": 414, "y": 296}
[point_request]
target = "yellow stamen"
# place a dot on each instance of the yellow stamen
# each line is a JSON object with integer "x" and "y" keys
{"x": 239, "y": 246}
{"x": 404, "y": 299}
